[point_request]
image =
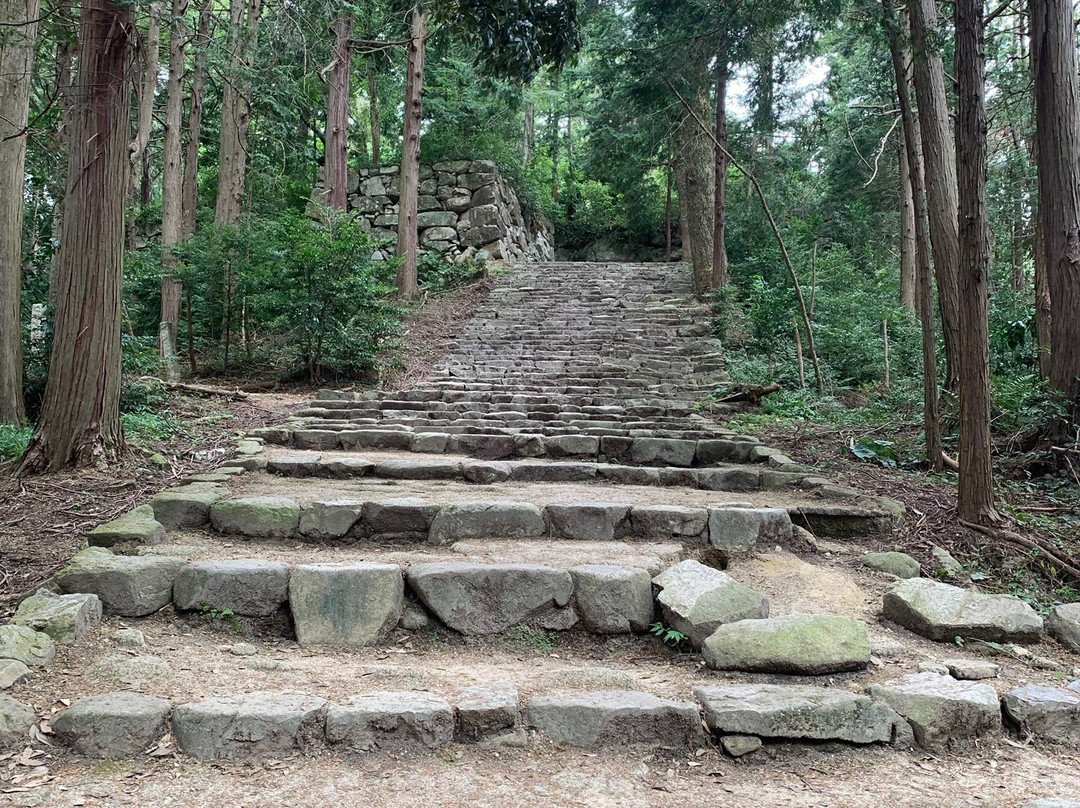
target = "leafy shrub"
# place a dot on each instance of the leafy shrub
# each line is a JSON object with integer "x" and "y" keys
{"x": 13, "y": 441}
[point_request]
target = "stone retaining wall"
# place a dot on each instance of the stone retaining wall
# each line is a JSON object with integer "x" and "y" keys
{"x": 466, "y": 209}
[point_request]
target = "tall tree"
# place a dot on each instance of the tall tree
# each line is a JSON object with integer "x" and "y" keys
{"x": 975, "y": 494}
{"x": 236, "y": 110}
{"x": 408, "y": 243}
{"x": 720, "y": 160}
{"x": 80, "y": 416}
{"x": 923, "y": 270}
{"x": 940, "y": 172}
{"x": 200, "y": 44}
{"x": 172, "y": 190}
{"x": 1057, "y": 131}
{"x": 337, "y": 115}
{"x": 18, "y": 34}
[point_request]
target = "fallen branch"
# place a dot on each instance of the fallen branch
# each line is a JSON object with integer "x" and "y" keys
{"x": 199, "y": 389}
{"x": 1009, "y": 537}
{"x": 949, "y": 462}
{"x": 751, "y": 393}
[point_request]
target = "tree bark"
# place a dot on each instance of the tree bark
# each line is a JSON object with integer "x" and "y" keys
{"x": 337, "y": 117}
{"x": 18, "y": 27}
{"x": 697, "y": 156}
{"x": 373, "y": 110}
{"x": 720, "y": 274}
{"x": 408, "y": 243}
{"x": 1057, "y": 131}
{"x": 195, "y": 115}
{"x": 172, "y": 189}
{"x": 923, "y": 271}
{"x": 149, "y": 52}
{"x": 1043, "y": 309}
{"x": 529, "y": 134}
{"x": 975, "y": 495}
{"x": 65, "y": 62}
{"x": 80, "y": 417}
{"x": 236, "y": 110}
{"x": 907, "y": 231}
{"x": 940, "y": 172}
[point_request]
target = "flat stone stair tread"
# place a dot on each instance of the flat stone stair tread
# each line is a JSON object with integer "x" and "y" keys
{"x": 561, "y": 554}
{"x": 445, "y": 492}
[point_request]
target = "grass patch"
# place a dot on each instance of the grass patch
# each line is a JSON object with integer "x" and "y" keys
{"x": 530, "y": 639}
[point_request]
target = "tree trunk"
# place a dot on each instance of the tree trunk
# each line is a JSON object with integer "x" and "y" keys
{"x": 907, "y": 232}
{"x": 376, "y": 125}
{"x": 408, "y": 245}
{"x": 720, "y": 273}
{"x": 923, "y": 271}
{"x": 940, "y": 172}
{"x": 697, "y": 156}
{"x": 236, "y": 110}
{"x": 149, "y": 51}
{"x": 65, "y": 63}
{"x": 529, "y": 134}
{"x": 1057, "y": 103}
{"x": 172, "y": 178}
{"x": 195, "y": 115}
{"x": 80, "y": 417}
{"x": 18, "y": 27}
{"x": 975, "y": 495}
{"x": 1043, "y": 309}
{"x": 337, "y": 117}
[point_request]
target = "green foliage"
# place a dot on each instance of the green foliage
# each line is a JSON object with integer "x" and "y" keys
{"x": 222, "y": 617}
{"x": 882, "y": 452}
{"x": 13, "y": 441}
{"x": 304, "y": 294}
{"x": 437, "y": 275}
{"x": 669, "y": 635}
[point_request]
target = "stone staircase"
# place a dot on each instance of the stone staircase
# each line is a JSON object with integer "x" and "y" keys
{"x": 484, "y": 560}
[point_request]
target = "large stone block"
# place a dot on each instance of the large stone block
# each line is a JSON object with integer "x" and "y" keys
{"x": 436, "y": 218}
{"x": 407, "y": 515}
{"x": 16, "y": 719}
{"x": 798, "y": 712}
{"x": 65, "y": 618}
{"x": 1045, "y": 712}
{"x": 710, "y": 452}
{"x": 258, "y": 517}
{"x": 667, "y": 522}
{"x": 186, "y": 506}
{"x": 663, "y": 452}
{"x": 940, "y": 709}
{"x": 253, "y": 725}
{"x": 588, "y": 521}
{"x": 481, "y": 520}
{"x": 248, "y": 587}
{"x": 805, "y": 644}
{"x": 573, "y": 446}
{"x": 487, "y": 710}
{"x": 130, "y": 586}
{"x": 696, "y": 600}
{"x": 489, "y": 598}
{"x": 1064, "y": 625}
{"x": 738, "y": 530}
{"x": 345, "y": 605}
{"x": 616, "y": 719}
{"x": 613, "y": 600}
{"x": 25, "y": 645}
{"x": 113, "y": 725}
{"x": 391, "y": 722}
{"x": 137, "y": 526}
{"x": 943, "y": 612}
{"x": 331, "y": 519}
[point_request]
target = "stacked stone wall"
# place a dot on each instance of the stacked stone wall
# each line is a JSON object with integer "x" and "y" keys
{"x": 466, "y": 209}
